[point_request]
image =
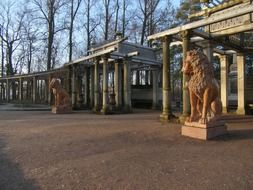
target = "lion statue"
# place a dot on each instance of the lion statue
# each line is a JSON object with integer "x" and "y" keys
{"x": 203, "y": 88}
{"x": 62, "y": 102}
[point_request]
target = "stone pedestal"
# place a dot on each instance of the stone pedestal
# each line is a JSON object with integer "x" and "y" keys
{"x": 204, "y": 131}
{"x": 61, "y": 109}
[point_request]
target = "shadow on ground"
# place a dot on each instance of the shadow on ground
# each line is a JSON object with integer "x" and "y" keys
{"x": 233, "y": 135}
{"x": 242, "y": 134}
{"x": 11, "y": 175}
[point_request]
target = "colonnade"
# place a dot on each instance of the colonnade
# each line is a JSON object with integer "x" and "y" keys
{"x": 33, "y": 88}
{"x": 96, "y": 85}
{"x": 90, "y": 85}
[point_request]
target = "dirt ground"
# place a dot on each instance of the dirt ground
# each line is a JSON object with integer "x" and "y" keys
{"x": 39, "y": 150}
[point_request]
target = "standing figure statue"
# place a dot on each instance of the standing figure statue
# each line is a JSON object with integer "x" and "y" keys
{"x": 203, "y": 88}
{"x": 62, "y": 102}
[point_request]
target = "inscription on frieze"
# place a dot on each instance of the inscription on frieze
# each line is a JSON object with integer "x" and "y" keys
{"x": 230, "y": 23}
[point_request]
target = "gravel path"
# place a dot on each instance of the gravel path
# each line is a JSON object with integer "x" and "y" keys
{"x": 40, "y": 150}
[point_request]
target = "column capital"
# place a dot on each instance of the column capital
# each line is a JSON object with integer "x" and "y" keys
{"x": 166, "y": 39}
{"x": 206, "y": 43}
{"x": 223, "y": 57}
{"x": 240, "y": 54}
{"x": 105, "y": 56}
{"x": 185, "y": 34}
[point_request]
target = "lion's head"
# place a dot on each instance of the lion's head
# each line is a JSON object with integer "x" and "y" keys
{"x": 196, "y": 62}
{"x": 54, "y": 83}
{"x": 200, "y": 70}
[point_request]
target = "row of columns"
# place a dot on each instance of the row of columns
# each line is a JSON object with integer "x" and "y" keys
{"x": 240, "y": 59}
{"x": 118, "y": 78}
{"x": 37, "y": 90}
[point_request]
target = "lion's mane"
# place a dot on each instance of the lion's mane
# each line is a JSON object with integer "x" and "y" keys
{"x": 202, "y": 73}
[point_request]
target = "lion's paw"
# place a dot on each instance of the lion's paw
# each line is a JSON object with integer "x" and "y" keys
{"x": 203, "y": 120}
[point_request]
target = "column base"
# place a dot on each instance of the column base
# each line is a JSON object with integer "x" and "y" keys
{"x": 104, "y": 110}
{"x": 127, "y": 109}
{"x": 96, "y": 109}
{"x": 155, "y": 107}
{"x": 183, "y": 118}
{"x": 61, "y": 110}
{"x": 167, "y": 117}
{"x": 240, "y": 111}
{"x": 204, "y": 131}
{"x": 224, "y": 110}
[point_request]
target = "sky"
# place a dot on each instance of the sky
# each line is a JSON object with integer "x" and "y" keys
{"x": 176, "y": 2}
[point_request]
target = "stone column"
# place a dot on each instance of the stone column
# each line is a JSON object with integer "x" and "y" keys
{"x": 4, "y": 91}
{"x": 208, "y": 50}
{"x": 224, "y": 82}
{"x": 127, "y": 87}
{"x": 155, "y": 89}
{"x": 86, "y": 87}
{"x": 166, "y": 114}
{"x": 186, "y": 98}
{"x": 46, "y": 90}
{"x": 137, "y": 77}
{"x": 20, "y": 91}
{"x": 146, "y": 77}
{"x": 91, "y": 86}
{"x": 96, "y": 85}
{"x": 105, "y": 85}
{"x": 49, "y": 90}
{"x": 73, "y": 85}
{"x": 1, "y": 91}
{"x": 241, "y": 84}
{"x": 7, "y": 90}
{"x": 118, "y": 84}
{"x": 69, "y": 81}
{"x": 34, "y": 91}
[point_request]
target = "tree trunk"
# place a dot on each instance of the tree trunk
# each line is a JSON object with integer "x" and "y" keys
{"x": 107, "y": 19}
{"x": 144, "y": 25}
{"x": 9, "y": 71}
{"x": 71, "y": 30}
{"x": 124, "y": 19}
{"x": 88, "y": 25}
{"x": 117, "y": 17}
{"x": 2, "y": 61}
{"x": 29, "y": 58}
{"x": 50, "y": 35}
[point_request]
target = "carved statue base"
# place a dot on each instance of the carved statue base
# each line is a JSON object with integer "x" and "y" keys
{"x": 204, "y": 131}
{"x": 61, "y": 109}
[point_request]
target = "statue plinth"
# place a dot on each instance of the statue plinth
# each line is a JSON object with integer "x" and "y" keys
{"x": 204, "y": 90}
{"x": 61, "y": 109}
{"x": 204, "y": 131}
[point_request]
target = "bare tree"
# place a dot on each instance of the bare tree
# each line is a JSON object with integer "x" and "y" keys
{"x": 49, "y": 11}
{"x": 10, "y": 33}
{"x": 108, "y": 16}
{"x": 147, "y": 8}
{"x": 2, "y": 54}
{"x": 117, "y": 7}
{"x": 124, "y": 9}
{"x": 74, "y": 6}
{"x": 91, "y": 23}
{"x": 30, "y": 37}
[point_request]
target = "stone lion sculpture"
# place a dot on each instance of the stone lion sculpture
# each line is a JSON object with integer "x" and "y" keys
{"x": 203, "y": 88}
{"x": 62, "y": 102}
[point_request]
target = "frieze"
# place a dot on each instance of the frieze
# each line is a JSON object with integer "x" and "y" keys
{"x": 230, "y": 23}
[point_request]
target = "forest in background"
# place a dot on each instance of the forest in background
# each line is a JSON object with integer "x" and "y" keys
{"x": 39, "y": 35}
